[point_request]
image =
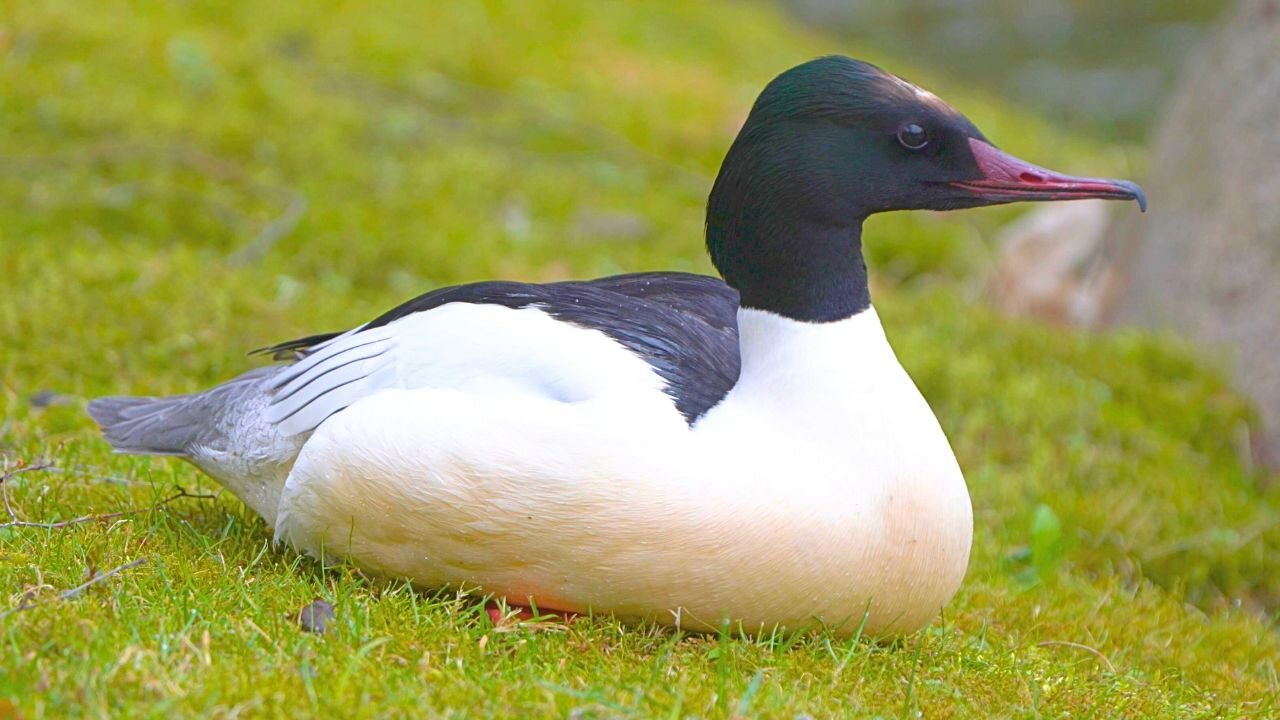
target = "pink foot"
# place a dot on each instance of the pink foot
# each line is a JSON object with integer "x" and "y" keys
{"x": 523, "y": 613}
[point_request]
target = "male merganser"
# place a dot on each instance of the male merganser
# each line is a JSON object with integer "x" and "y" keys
{"x": 657, "y": 445}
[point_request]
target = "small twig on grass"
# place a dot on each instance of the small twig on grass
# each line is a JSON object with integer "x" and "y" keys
{"x": 68, "y": 594}
{"x": 1078, "y": 646}
{"x": 213, "y": 167}
{"x": 272, "y": 232}
{"x": 1242, "y": 537}
{"x": 81, "y": 471}
{"x": 14, "y": 522}
{"x": 4, "y": 484}
{"x": 60, "y": 524}
{"x": 27, "y": 601}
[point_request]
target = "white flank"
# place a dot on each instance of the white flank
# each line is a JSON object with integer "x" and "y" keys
{"x": 503, "y": 449}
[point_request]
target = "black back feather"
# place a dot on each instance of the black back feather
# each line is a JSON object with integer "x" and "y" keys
{"x": 684, "y": 325}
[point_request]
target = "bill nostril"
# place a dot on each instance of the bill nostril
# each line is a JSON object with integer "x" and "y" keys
{"x": 1031, "y": 177}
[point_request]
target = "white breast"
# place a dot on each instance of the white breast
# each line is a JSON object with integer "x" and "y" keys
{"x": 839, "y": 453}
{"x": 557, "y": 469}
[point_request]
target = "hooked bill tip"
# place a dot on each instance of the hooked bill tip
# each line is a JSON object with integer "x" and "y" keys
{"x": 1138, "y": 193}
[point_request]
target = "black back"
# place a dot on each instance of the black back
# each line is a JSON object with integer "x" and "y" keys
{"x": 685, "y": 326}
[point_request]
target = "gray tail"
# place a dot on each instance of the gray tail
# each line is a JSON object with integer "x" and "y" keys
{"x": 148, "y": 425}
{"x": 176, "y": 424}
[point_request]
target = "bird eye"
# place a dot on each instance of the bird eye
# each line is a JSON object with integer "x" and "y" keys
{"x": 913, "y": 137}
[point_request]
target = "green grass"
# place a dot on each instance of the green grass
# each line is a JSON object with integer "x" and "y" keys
{"x": 149, "y": 154}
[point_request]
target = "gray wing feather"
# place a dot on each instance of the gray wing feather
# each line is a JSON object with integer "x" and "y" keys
{"x": 176, "y": 424}
{"x": 346, "y": 369}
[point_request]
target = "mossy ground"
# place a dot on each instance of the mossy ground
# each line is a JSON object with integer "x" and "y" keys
{"x": 180, "y": 183}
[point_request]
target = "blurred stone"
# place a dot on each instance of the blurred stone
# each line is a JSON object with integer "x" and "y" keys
{"x": 47, "y": 398}
{"x": 596, "y": 225}
{"x": 1051, "y": 265}
{"x": 316, "y": 616}
{"x": 516, "y": 220}
{"x": 1206, "y": 260}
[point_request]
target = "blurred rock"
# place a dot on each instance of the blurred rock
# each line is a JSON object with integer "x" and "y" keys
{"x": 516, "y": 220}
{"x": 47, "y": 398}
{"x": 1051, "y": 265}
{"x": 599, "y": 225}
{"x": 316, "y": 616}
{"x": 1206, "y": 260}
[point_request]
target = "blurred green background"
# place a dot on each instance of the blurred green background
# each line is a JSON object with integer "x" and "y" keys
{"x": 1100, "y": 67}
{"x": 183, "y": 181}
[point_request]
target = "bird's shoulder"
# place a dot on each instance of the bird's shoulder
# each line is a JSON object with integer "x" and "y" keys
{"x": 682, "y": 324}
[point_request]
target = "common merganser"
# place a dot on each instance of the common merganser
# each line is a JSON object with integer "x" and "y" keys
{"x": 659, "y": 446}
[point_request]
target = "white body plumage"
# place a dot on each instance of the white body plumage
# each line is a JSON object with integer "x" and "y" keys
{"x": 535, "y": 459}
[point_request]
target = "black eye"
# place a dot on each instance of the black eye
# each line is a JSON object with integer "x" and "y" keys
{"x": 913, "y": 137}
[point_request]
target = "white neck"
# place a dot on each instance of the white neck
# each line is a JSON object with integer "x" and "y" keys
{"x": 793, "y": 360}
{"x": 813, "y": 382}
